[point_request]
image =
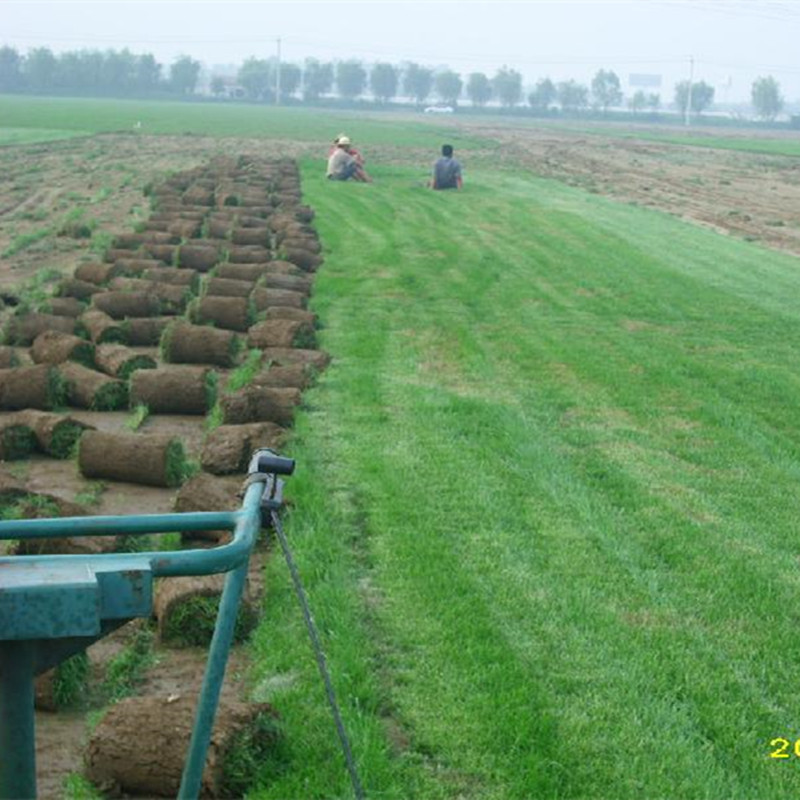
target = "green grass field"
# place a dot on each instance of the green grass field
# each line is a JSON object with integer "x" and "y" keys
{"x": 545, "y": 501}
{"x": 544, "y": 507}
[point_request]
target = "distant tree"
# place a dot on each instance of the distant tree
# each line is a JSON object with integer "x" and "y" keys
{"x": 572, "y": 96}
{"x": 766, "y": 97}
{"x": 507, "y": 86}
{"x": 351, "y": 79}
{"x": 654, "y": 101}
{"x": 183, "y": 75}
{"x": 317, "y": 79}
{"x": 638, "y": 102}
{"x": 448, "y": 86}
{"x": 40, "y": 68}
{"x": 702, "y": 96}
{"x": 148, "y": 73}
{"x": 10, "y": 69}
{"x": 120, "y": 71}
{"x": 217, "y": 85}
{"x": 479, "y": 89}
{"x": 418, "y": 82}
{"x": 383, "y": 80}
{"x": 543, "y": 95}
{"x": 255, "y": 77}
{"x": 291, "y": 77}
{"x": 606, "y": 90}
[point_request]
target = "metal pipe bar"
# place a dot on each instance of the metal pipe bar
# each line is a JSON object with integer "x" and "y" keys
{"x": 116, "y": 525}
{"x": 17, "y": 736}
{"x": 192, "y": 778}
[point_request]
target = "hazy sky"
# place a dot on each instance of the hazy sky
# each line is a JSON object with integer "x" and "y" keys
{"x": 732, "y": 42}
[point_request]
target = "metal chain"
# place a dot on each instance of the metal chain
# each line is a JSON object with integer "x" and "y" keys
{"x": 320, "y": 656}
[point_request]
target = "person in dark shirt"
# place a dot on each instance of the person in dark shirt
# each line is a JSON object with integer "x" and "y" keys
{"x": 446, "y": 171}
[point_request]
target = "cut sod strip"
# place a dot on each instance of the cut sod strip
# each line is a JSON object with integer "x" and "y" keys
{"x": 120, "y": 361}
{"x": 186, "y": 610}
{"x": 184, "y": 343}
{"x": 175, "y": 389}
{"x": 40, "y": 386}
{"x": 136, "y": 458}
{"x": 55, "y": 434}
{"x": 87, "y": 388}
{"x": 54, "y": 347}
{"x": 133, "y": 749}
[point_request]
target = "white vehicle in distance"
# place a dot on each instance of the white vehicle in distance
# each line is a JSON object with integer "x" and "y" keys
{"x": 438, "y": 110}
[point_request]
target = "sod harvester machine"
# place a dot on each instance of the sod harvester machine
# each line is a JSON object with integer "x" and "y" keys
{"x": 52, "y": 607}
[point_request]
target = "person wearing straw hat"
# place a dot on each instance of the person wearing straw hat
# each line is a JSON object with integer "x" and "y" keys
{"x": 339, "y": 168}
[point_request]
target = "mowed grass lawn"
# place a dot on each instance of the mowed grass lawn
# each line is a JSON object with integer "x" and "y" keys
{"x": 546, "y": 505}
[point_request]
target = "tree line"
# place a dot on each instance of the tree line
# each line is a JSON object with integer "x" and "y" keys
{"x": 120, "y": 73}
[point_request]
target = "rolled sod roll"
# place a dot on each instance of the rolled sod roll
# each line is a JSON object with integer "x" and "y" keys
{"x": 155, "y": 225}
{"x": 219, "y": 228}
{"x": 279, "y": 267}
{"x": 286, "y": 356}
{"x": 17, "y": 440}
{"x": 63, "y": 685}
{"x": 133, "y": 241}
{"x": 174, "y": 276}
{"x": 259, "y": 404}
{"x": 310, "y": 243}
{"x": 198, "y": 256}
{"x": 184, "y": 343}
{"x": 304, "y": 213}
{"x": 98, "y": 273}
{"x": 171, "y": 297}
{"x": 52, "y": 347}
{"x": 145, "y": 331}
{"x": 56, "y": 434}
{"x": 249, "y": 255}
{"x": 120, "y": 361}
{"x": 119, "y": 305}
{"x": 186, "y": 610}
{"x": 282, "y": 333}
{"x": 295, "y": 314}
{"x": 251, "y": 236}
{"x": 135, "y": 458}
{"x": 199, "y": 196}
{"x": 64, "y": 307}
{"x": 174, "y": 389}
{"x": 264, "y": 298}
{"x": 137, "y": 266}
{"x": 8, "y": 357}
{"x": 303, "y": 258}
{"x": 292, "y": 283}
{"x": 185, "y": 228}
{"x": 293, "y": 376}
{"x": 87, "y": 388}
{"x": 39, "y": 386}
{"x": 24, "y": 329}
{"x": 204, "y": 492}
{"x": 100, "y": 328}
{"x": 162, "y": 252}
{"x": 226, "y": 287}
{"x": 231, "y": 313}
{"x": 140, "y": 745}
{"x": 228, "y": 448}
{"x": 77, "y": 289}
{"x": 113, "y": 254}
{"x": 241, "y": 272}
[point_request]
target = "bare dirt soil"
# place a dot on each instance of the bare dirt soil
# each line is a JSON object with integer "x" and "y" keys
{"x": 749, "y": 195}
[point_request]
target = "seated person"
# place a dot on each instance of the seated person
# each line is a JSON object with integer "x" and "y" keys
{"x": 446, "y": 171}
{"x": 341, "y": 165}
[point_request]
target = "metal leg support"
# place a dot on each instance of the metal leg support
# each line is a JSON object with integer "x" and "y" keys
{"x": 17, "y": 739}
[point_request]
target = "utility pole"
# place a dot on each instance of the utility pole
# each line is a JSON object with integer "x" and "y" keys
{"x": 278, "y": 76}
{"x": 687, "y": 112}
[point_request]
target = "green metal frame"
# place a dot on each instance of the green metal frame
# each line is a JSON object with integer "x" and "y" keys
{"x": 54, "y": 606}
